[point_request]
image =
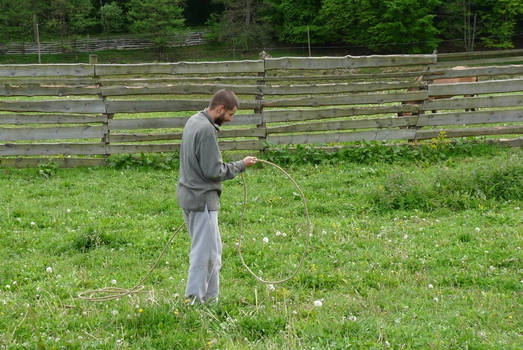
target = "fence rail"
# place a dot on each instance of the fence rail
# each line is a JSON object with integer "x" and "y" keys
{"x": 71, "y": 110}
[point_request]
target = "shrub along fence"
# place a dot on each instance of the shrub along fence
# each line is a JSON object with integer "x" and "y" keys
{"x": 70, "y": 111}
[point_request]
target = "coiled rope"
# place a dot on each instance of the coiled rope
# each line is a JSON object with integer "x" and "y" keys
{"x": 309, "y": 232}
{"x": 112, "y": 293}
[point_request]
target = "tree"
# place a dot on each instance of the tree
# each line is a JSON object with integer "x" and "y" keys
{"x": 155, "y": 16}
{"x": 111, "y": 18}
{"x": 381, "y": 25}
{"x": 292, "y": 17}
{"x": 15, "y": 20}
{"x": 243, "y": 23}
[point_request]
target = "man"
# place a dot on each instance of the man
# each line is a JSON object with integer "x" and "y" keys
{"x": 199, "y": 187}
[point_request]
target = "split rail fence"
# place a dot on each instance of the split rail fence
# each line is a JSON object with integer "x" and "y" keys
{"x": 80, "y": 114}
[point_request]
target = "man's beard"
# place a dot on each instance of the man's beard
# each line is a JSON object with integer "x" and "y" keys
{"x": 219, "y": 119}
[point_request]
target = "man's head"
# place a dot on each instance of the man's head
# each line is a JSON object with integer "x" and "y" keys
{"x": 223, "y": 105}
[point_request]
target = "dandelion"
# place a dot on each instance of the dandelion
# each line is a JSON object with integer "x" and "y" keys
{"x": 430, "y": 286}
{"x": 284, "y": 234}
{"x": 436, "y": 299}
{"x": 32, "y": 223}
{"x": 271, "y": 287}
{"x": 115, "y": 312}
{"x": 176, "y": 313}
{"x": 113, "y": 281}
{"x": 7, "y": 286}
{"x": 68, "y": 210}
{"x": 318, "y": 303}
{"x": 265, "y": 240}
{"x": 352, "y": 318}
{"x": 406, "y": 236}
{"x": 166, "y": 263}
{"x": 323, "y": 232}
{"x": 49, "y": 269}
{"x": 387, "y": 344}
{"x": 140, "y": 310}
{"x": 278, "y": 233}
{"x": 38, "y": 289}
{"x": 14, "y": 283}
{"x": 516, "y": 208}
{"x": 478, "y": 229}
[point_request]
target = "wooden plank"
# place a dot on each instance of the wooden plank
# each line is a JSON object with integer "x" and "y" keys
{"x": 210, "y": 89}
{"x": 345, "y": 124}
{"x": 50, "y": 149}
{"x": 7, "y": 90}
{"x": 61, "y": 162}
{"x": 376, "y": 135}
{"x": 483, "y": 117}
{"x": 147, "y": 123}
{"x": 46, "y": 70}
{"x": 315, "y": 101}
{"x": 181, "y": 68}
{"x": 173, "y": 80}
{"x": 515, "y": 59}
{"x": 480, "y": 87}
{"x": 59, "y": 81}
{"x": 72, "y": 106}
{"x": 133, "y": 106}
{"x": 474, "y": 72}
{"x": 241, "y": 145}
{"x": 186, "y": 89}
{"x": 76, "y": 132}
{"x": 478, "y": 54}
{"x": 274, "y": 116}
{"x": 291, "y": 63}
{"x": 515, "y": 142}
{"x": 136, "y": 137}
{"x": 21, "y": 119}
{"x": 473, "y": 102}
{"x": 337, "y": 88}
{"x": 493, "y": 130}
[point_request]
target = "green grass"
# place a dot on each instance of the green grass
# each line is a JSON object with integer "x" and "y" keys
{"x": 405, "y": 254}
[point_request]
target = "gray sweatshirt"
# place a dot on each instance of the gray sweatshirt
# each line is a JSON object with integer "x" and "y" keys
{"x": 202, "y": 169}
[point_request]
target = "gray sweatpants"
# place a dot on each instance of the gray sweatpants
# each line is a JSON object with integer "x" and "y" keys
{"x": 205, "y": 258}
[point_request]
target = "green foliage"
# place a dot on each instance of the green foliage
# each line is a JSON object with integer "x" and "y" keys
{"x": 242, "y": 25}
{"x": 155, "y": 16}
{"x": 371, "y": 152}
{"x": 47, "y": 169}
{"x": 111, "y": 18}
{"x": 16, "y": 21}
{"x": 382, "y": 26}
{"x": 291, "y": 18}
{"x": 169, "y": 161}
{"x": 453, "y": 189}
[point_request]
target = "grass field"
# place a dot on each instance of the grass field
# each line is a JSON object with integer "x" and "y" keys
{"x": 404, "y": 255}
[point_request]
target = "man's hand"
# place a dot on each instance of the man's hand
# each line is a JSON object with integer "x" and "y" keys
{"x": 250, "y": 160}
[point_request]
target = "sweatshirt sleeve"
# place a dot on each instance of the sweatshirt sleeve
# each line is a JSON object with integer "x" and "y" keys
{"x": 210, "y": 159}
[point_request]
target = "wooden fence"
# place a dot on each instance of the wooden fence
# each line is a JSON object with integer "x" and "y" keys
{"x": 71, "y": 111}
{"x": 101, "y": 44}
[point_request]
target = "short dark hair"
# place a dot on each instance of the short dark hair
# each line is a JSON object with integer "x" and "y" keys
{"x": 224, "y": 97}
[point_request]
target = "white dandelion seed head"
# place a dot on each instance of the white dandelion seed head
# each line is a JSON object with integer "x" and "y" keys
{"x": 431, "y": 286}
{"x": 33, "y": 223}
{"x": 436, "y": 299}
{"x": 271, "y": 287}
{"x": 405, "y": 236}
{"x": 68, "y": 210}
{"x": 352, "y": 318}
{"x": 49, "y": 269}
{"x": 115, "y": 312}
{"x": 278, "y": 233}
{"x": 265, "y": 240}
{"x": 478, "y": 229}
{"x": 113, "y": 281}
{"x": 7, "y": 286}
{"x": 387, "y": 344}
{"x": 318, "y": 303}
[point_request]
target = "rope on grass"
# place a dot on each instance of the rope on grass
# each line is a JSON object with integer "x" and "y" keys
{"x": 112, "y": 293}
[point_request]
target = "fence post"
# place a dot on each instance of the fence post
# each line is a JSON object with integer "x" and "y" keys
{"x": 258, "y": 109}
